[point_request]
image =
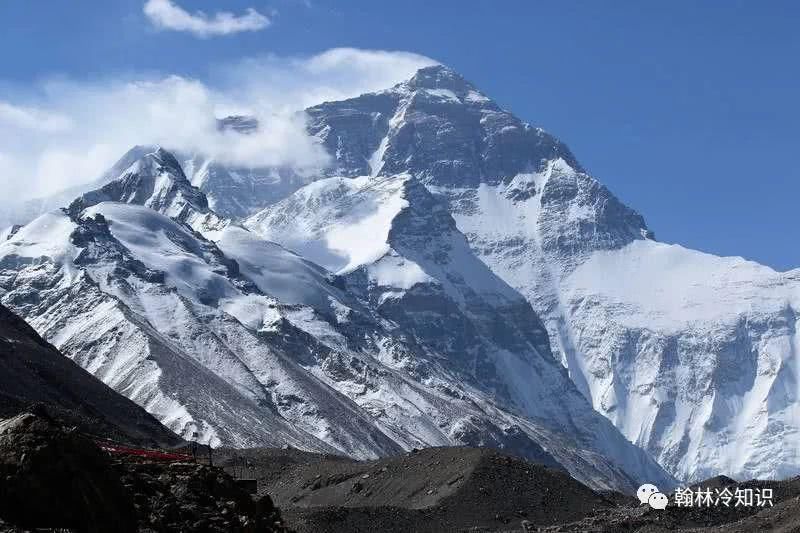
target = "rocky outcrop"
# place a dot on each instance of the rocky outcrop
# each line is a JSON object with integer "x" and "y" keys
{"x": 54, "y": 478}
{"x": 436, "y": 126}
{"x": 156, "y": 180}
{"x": 57, "y": 478}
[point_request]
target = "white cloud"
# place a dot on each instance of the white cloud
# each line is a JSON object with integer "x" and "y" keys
{"x": 64, "y": 132}
{"x": 167, "y": 15}
{"x": 32, "y": 119}
{"x": 335, "y": 74}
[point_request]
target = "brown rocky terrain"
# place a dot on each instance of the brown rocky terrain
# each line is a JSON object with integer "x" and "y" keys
{"x": 53, "y": 477}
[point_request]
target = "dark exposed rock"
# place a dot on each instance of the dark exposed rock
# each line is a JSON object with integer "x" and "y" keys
{"x": 430, "y": 490}
{"x": 239, "y": 124}
{"x": 181, "y": 496}
{"x": 10, "y": 232}
{"x": 58, "y": 478}
{"x": 156, "y": 180}
{"x": 464, "y": 489}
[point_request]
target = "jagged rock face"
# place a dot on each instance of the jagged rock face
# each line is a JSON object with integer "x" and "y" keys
{"x": 20, "y": 214}
{"x": 9, "y": 232}
{"x": 238, "y": 192}
{"x": 420, "y": 276}
{"x": 155, "y": 181}
{"x": 229, "y": 336}
{"x": 58, "y": 479}
{"x": 436, "y": 126}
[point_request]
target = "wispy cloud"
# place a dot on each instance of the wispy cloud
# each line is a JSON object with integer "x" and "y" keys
{"x": 63, "y": 132}
{"x": 32, "y": 118}
{"x": 166, "y": 14}
{"x": 335, "y": 74}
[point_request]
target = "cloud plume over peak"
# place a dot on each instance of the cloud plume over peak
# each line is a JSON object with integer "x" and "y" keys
{"x": 166, "y": 14}
{"x": 63, "y": 132}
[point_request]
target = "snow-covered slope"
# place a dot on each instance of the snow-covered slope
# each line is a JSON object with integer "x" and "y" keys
{"x": 246, "y": 343}
{"x": 693, "y": 357}
{"x": 6, "y": 233}
{"x": 238, "y": 192}
{"x": 398, "y": 249}
{"x": 706, "y": 352}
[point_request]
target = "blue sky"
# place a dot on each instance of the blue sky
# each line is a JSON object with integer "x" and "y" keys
{"x": 687, "y": 110}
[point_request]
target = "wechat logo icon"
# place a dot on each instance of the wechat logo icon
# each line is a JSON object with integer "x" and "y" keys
{"x": 650, "y": 495}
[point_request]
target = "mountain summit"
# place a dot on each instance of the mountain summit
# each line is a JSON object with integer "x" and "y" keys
{"x": 436, "y": 126}
{"x": 156, "y": 180}
{"x": 440, "y": 77}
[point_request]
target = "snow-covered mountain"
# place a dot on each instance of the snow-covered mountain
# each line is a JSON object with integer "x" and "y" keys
{"x": 693, "y": 357}
{"x": 398, "y": 249}
{"x": 417, "y": 292}
{"x": 6, "y": 233}
{"x": 218, "y": 331}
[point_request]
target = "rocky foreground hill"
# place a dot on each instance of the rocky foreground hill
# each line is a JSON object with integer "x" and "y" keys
{"x": 56, "y": 479}
{"x": 466, "y": 489}
{"x": 53, "y": 474}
